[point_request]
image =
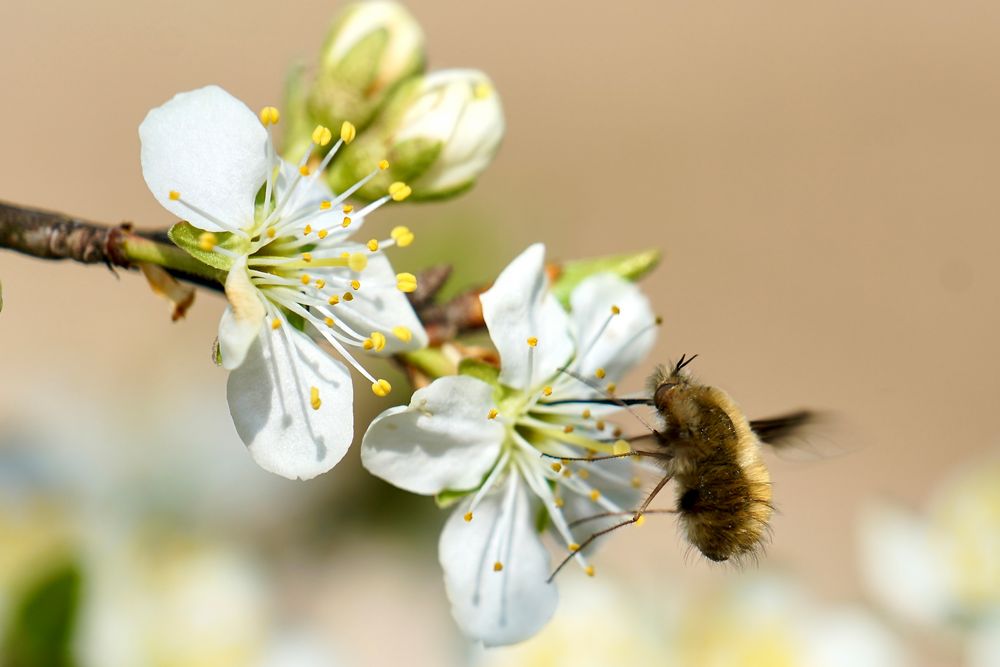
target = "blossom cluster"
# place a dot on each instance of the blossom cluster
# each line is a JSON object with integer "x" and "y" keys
{"x": 499, "y": 441}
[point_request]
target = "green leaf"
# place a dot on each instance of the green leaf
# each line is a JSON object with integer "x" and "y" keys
{"x": 480, "y": 370}
{"x": 448, "y": 497}
{"x": 630, "y": 266}
{"x": 186, "y": 237}
{"x": 40, "y": 629}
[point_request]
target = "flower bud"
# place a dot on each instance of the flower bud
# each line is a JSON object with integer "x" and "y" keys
{"x": 371, "y": 47}
{"x": 438, "y": 132}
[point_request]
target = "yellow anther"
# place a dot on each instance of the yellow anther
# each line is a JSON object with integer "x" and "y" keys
{"x": 346, "y": 223}
{"x": 492, "y": 414}
{"x": 482, "y": 90}
{"x": 574, "y": 547}
{"x": 611, "y": 387}
{"x": 333, "y": 300}
{"x": 615, "y": 310}
{"x": 600, "y": 373}
{"x": 276, "y": 323}
{"x": 636, "y": 482}
{"x": 617, "y": 432}
{"x": 532, "y": 342}
{"x": 347, "y": 132}
{"x": 372, "y": 245}
{"x": 207, "y": 241}
{"x": 320, "y": 283}
{"x": 307, "y": 230}
{"x": 399, "y": 191}
{"x": 383, "y": 164}
{"x": 595, "y": 494}
{"x": 583, "y": 473}
{"x": 314, "y": 398}
{"x": 547, "y": 390}
{"x": 568, "y": 428}
{"x": 381, "y": 388}
{"x": 402, "y": 333}
{"x": 347, "y": 208}
{"x": 402, "y": 236}
{"x": 406, "y": 282}
{"x": 556, "y": 467}
{"x": 307, "y": 257}
{"x": 174, "y": 195}
{"x": 328, "y": 321}
{"x": 497, "y": 566}
{"x": 357, "y": 262}
{"x": 378, "y": 338}
{"x": 271, "y": 231}
{"x": 304, "y": 170}
{"x": 640, "y": 520}
{"x": 367, "y": 344}
{"x": 600, "y": 424}
{"x": 590, "y": 570}
{"x": 468, "y": 517}
{"x": 345, "y": 255}
{"x": 270, "y": 116}
{"x": 620, "y": 447}
{"x": 322, "y": 234}
{"x": 559, "y": 502}
{"x": 305, "y": 279}
{"x": 658, "y": 320}
{"x": 356, "y": 284}
{"x": 348, "y": 296}
{"x": 586, "y": 414}
{"x": 567, "y": 472}
{"x": 322, "y": 135}
{"x": 325, "y": 205}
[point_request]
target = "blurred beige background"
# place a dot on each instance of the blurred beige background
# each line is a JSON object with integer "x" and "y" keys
{"x": 821, "y": 177}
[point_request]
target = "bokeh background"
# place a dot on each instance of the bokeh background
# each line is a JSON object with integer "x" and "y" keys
{"x": 820, "y": 176}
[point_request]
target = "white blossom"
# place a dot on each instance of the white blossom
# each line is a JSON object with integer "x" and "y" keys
{"x": 487, "y": 440}
{"x": 285, "y": 240}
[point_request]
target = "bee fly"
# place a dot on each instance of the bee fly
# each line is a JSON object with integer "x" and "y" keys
{"x": 712, "y": 452}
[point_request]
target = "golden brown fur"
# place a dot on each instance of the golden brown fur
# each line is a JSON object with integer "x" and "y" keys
{"x": 724, "y": 490}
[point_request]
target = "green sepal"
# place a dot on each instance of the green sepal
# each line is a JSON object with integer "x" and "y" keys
{"x": 358, "y": 67}
{"x": 41, "y": 623}
{"x": 295, "y": 320}
{"x": 430, "y": 361}
{"x": 185, "y": 236}
{"x": 542, "y": 519}
{"x": 295, "y": 116}
{"x": 630, "y": 266}
{"x": 450, "y": 497}
{"x": 410, "y": 158}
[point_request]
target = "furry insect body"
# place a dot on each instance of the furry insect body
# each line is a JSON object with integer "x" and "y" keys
{"x": 723, "y": 487}
{"x": 709, "y": 449}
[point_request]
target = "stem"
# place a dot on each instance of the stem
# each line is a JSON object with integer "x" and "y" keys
{"x": 51, "y": 235}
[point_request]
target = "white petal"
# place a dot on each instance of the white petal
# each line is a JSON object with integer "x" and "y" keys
{"x": 621, "y": 345}
{"x": 497, "y": 607}
{"x": 378, "y": 305}
{"x": 243, "y": 318}
{"x": 209, "y": 147}
{"x": 519, "y": 307}
{"x": 269, "y": 397}
{"x": 900, "y": 565}
{"x": 442, "y": 440}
